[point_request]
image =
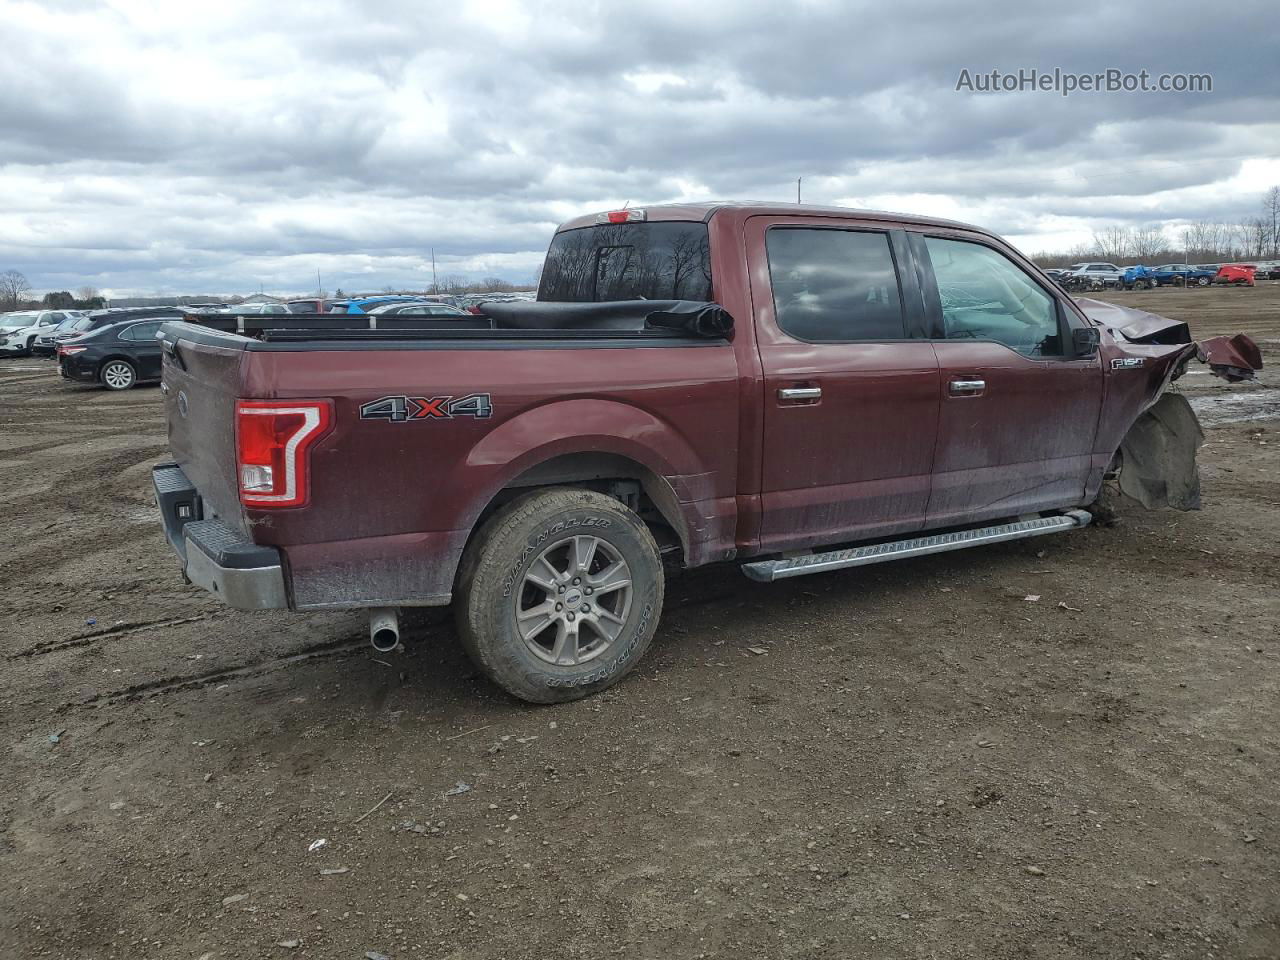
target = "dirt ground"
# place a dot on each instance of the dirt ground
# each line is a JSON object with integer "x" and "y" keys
{"x": 1065, "y": 747}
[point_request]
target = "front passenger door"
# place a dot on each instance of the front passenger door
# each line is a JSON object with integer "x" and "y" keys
{"x": 1018, "y": 410}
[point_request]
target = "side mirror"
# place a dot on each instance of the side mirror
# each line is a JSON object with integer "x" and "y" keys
{"x": 1084, "y": 341}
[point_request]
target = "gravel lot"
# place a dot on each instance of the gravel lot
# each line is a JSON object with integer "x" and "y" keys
{"x": 1065, "y": 747}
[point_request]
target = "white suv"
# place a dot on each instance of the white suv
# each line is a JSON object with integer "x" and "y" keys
{"x": 18, "y": 331}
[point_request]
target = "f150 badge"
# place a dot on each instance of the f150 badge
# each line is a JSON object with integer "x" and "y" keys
{"x": 1125, "y": 363}
{"x": 404, "y": 409}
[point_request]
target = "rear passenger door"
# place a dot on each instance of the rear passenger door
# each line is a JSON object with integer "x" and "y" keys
{"x": 1018, "y": 410}
{"x": 850, "y": 381}
{"x": 144, "y": 348}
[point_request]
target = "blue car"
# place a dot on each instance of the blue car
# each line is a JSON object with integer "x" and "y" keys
{"x": 362, "y": 304}
{"x": 1182, "y": 275}
{"x": 1138, "y": 278}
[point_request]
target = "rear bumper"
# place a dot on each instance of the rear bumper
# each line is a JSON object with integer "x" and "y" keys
{"x": 215, "y": 556}
{"x": 73, "y": 368}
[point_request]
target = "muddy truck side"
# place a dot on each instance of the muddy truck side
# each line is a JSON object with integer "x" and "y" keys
{"x": 799, "y": 389}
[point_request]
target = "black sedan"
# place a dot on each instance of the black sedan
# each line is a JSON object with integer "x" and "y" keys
{"x": 117, "y": 356}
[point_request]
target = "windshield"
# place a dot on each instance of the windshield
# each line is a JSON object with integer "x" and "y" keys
{"x": 628, "y": 261}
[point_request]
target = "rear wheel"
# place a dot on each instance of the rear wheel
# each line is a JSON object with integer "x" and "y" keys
{"x": 559, "y": 594}
{"x": 118, "y": 375}
{"x": 1202, "y": 281}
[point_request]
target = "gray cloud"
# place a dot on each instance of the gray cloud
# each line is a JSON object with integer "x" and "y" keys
{"x": 184, "y": 148}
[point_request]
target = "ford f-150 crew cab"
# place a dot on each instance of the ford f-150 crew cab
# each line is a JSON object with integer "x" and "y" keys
{"x": 796, "y": 388}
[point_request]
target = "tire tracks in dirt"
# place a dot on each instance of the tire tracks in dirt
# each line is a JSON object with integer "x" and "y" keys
{"x": 110, "y": 633}
{"x": 174, "y": 684}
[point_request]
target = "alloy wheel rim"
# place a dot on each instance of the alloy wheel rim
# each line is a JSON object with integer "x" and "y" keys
{"x": 117, "y": 375}
{"x": 574, "y": 600}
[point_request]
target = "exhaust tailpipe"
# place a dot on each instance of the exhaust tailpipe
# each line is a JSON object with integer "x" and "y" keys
{"x": 384, "y": 629}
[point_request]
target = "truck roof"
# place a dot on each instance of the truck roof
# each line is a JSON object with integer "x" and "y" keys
{"x": 754, "y": 208}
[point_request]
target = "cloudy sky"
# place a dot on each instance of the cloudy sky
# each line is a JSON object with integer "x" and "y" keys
{"x": 165, "y": 147}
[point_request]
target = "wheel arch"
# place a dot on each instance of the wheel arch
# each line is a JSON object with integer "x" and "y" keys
{"x": 595, "y": 443}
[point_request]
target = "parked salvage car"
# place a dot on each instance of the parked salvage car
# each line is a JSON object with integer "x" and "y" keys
{"x": 1138, "y": 278}
{"x": 46, "y": 341}
{"x": 1182, "y": 275}
{"x": 420, "y": 309}
{"x": 797, "y": 389}
{"x": 1091, "y": 276}
{"x": 365, "y": 304}
{"x": 118, "y": 356}
{"x": 1236, "y": 274}
{"x": 20, "y": 330}
{"x": 309, "y": 305}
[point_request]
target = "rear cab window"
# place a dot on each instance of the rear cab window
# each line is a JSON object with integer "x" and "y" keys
{"x": 651, "y": 260}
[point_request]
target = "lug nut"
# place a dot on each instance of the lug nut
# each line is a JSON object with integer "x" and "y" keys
{"x": 559, "y": 606}
{"x": 560, "y": 589}
{"x": 586, "y": 608}
{"x": 589, "y": 591}
{"x": 571, "y": 616}
{"x": 576, "y": 581}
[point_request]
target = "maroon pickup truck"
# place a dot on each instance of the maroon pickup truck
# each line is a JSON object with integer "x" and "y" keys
{"x": 797, "y": 388}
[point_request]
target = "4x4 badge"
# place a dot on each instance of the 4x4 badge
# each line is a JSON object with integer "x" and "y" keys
{"x": 404, "y": 409}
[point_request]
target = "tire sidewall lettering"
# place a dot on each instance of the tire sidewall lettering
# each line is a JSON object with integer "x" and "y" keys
{"x": 559, "y": 527}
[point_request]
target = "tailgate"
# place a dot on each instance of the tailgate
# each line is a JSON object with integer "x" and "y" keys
{"x": 201, "y": 380}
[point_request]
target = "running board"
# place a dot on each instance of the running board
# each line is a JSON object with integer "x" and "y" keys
{"x": 769, "y": 570}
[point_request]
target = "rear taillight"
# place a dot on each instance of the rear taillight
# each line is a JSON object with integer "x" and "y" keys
{"x": 68, "y": 351}
{"x": 273, "y": 449}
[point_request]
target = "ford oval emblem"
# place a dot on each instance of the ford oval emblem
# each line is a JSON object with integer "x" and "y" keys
{"x": 182, "y": 403}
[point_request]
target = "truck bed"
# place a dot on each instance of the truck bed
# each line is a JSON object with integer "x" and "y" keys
{"x": 392, "y": 497}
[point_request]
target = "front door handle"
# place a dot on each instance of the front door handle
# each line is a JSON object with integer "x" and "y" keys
{"x": 800, "y": 393}
{"x": 967, "y": 388}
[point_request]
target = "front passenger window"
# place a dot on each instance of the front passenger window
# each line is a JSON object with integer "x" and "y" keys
{"x": 985, "y": 296}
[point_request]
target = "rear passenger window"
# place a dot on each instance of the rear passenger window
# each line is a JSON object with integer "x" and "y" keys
{"x": 834, "y": 285}
{"x": 141, "y": 331}
{"x": 985, "y": 296}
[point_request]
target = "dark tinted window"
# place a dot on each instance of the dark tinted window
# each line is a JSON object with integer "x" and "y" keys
{"x": 834, "y": 284}
{"x": 141, "y": 331}
{"x": 306, "y": 306}
{"x": 986, "y": 296}
{"x": 628, "y": 261}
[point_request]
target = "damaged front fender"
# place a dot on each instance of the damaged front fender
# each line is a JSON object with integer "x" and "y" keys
{"x": 1157, "y": 460}
{"x": 1150, "y": 435}
{"x": 1231, "y": 358}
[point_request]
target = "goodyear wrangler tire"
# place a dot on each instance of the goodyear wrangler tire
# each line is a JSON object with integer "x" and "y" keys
{"x": 559, "y": 594}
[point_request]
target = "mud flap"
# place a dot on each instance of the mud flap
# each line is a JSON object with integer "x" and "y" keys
{"x": 1158, "y": 456}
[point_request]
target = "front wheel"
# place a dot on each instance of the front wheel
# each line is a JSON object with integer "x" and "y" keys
{"x": 559, "y": 594}
{"x": 118, "y": 375}
{"x": 1202, "y": 281}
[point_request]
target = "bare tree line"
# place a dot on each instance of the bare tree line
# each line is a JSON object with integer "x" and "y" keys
{"x": 1202, "y": 241}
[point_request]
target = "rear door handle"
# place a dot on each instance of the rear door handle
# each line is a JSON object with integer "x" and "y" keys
{"x": 967, "y": 388}
{"x": 800, "y": 393}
